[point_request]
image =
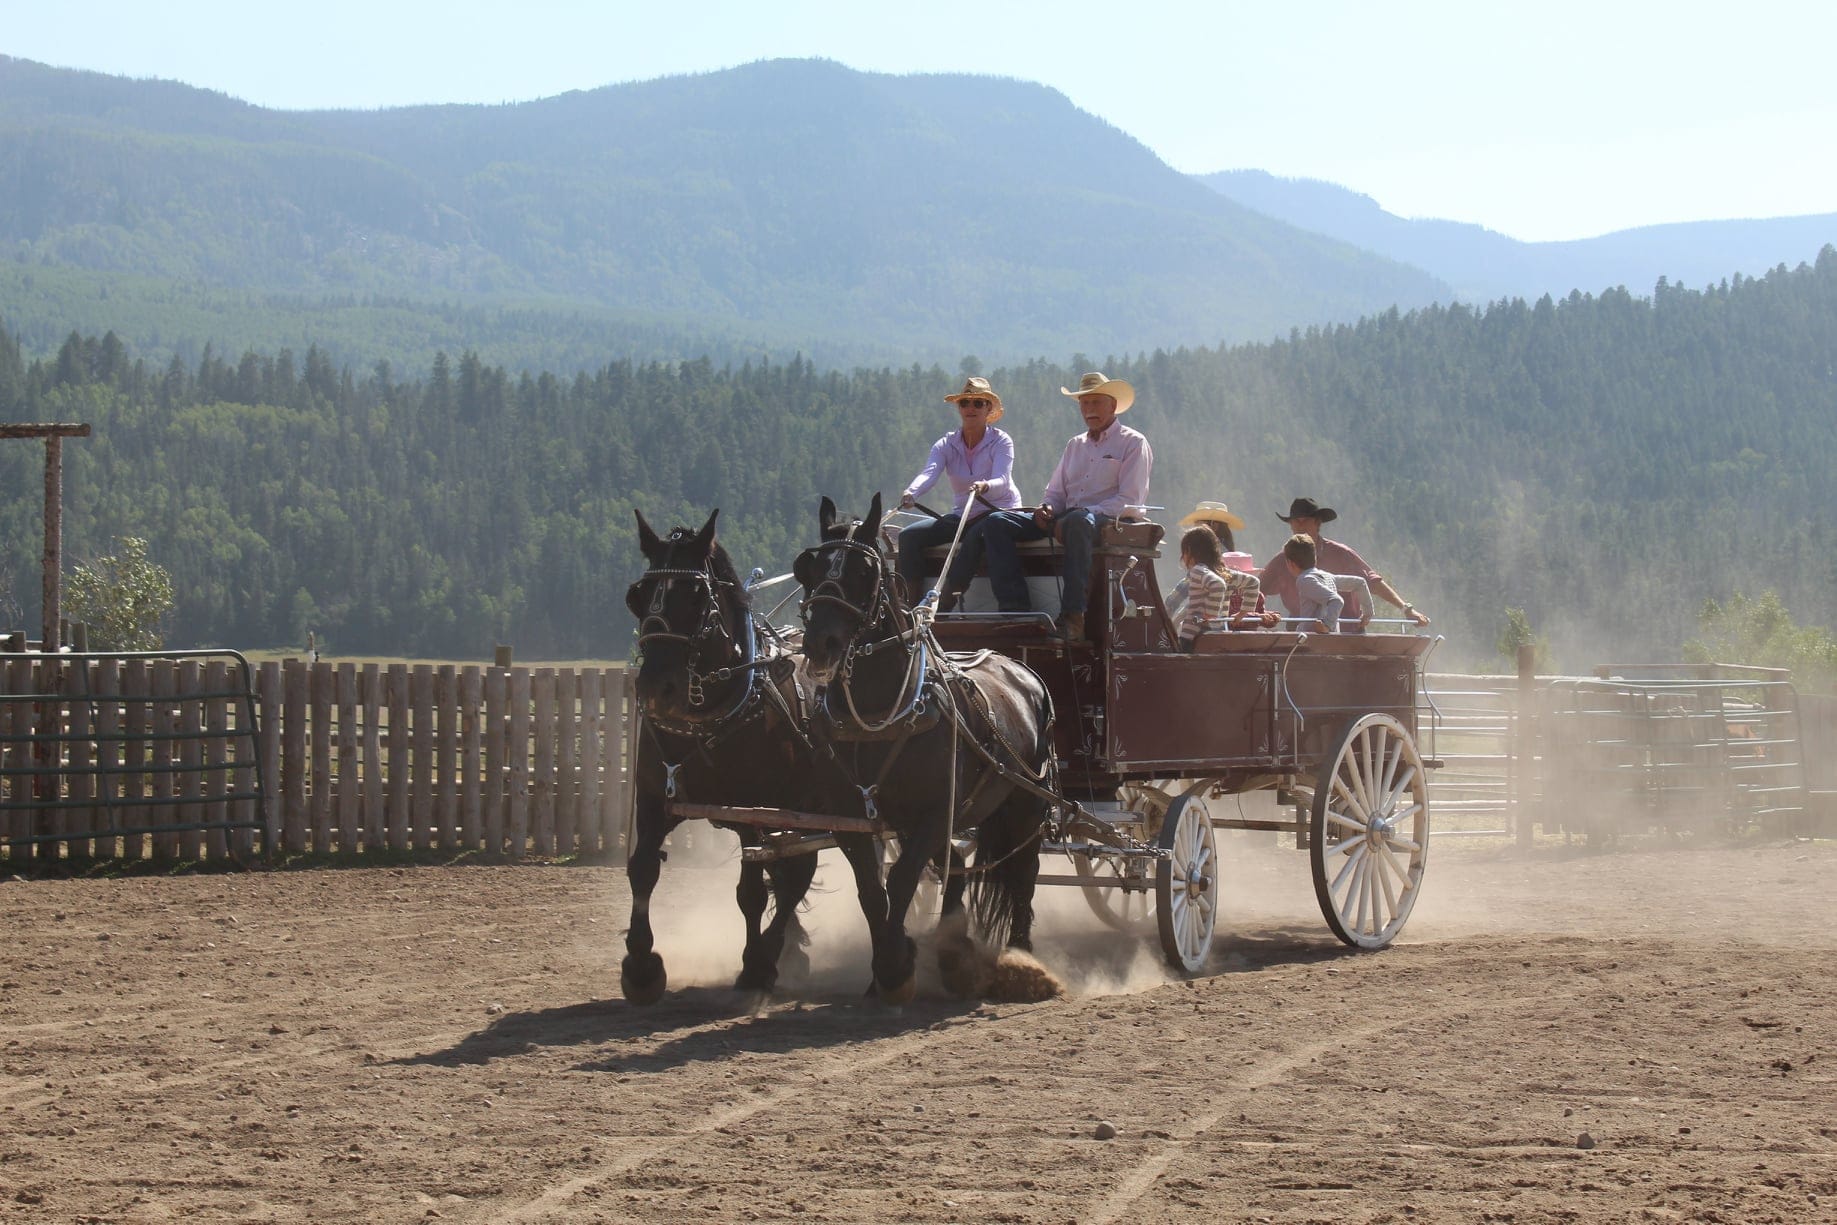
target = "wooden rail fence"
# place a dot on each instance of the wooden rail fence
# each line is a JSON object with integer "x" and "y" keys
{"x": 352, "y": 758}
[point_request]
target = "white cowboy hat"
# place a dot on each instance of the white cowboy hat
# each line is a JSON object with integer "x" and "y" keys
{"x": 1213, "y": 512}
{"x": 1095, "y": 384}
{"x": 975, "y": 388}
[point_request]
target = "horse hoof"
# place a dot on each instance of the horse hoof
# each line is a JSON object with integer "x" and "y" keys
{"x": 903, "y": 994}
{"x": 640, "y": 987}
{"x": 758, "y": 981}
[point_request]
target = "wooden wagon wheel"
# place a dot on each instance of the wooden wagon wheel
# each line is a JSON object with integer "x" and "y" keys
{"x": 1118, "y": 889}
{"x": 1186, "y": 883}
{"x": 1369, "y": 836}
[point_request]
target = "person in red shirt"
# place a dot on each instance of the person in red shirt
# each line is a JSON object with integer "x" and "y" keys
{"x": 1307, "y": 516}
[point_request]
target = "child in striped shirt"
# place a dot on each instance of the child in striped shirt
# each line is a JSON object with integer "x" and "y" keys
{"x": 1211, "y": 590}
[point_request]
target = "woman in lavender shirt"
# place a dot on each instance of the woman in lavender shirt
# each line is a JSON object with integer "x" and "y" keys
{"x": 978, "y": 459}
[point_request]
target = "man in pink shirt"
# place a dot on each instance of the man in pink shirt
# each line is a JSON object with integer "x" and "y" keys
{"x": 1307, "y": 517}
{"x": 1101, "y": 477}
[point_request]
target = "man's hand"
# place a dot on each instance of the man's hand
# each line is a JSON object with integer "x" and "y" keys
{"x": 979, "y": 487}
{"x": 1042, "y": 517}
{"x": 907, "y": 501}
{"x": 1415, "y": 616}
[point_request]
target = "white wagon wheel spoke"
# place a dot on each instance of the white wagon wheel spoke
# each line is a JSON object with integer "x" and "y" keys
{"x": 1369, "y": 835}
{"x": 1186, "y": 884}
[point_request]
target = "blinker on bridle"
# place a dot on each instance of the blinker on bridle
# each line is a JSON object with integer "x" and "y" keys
{"x": 830, "y": 590}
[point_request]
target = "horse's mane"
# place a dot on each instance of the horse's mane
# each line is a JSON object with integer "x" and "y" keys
{"x": 719, "y": 564}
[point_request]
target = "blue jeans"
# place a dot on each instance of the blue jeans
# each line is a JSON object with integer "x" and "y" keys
{"x": 914, "y": 540}
{"x": 1001, "y": 531}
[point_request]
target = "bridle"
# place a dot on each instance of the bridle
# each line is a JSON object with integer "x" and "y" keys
{"x": 829, "y": 589}
{"x": 879, "y": 607}
{"x": 711, "y": 638}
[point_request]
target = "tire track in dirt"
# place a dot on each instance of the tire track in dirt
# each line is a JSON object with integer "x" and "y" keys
{"x": 1139, "y": 1181}
{"x": 631, "y": 1156}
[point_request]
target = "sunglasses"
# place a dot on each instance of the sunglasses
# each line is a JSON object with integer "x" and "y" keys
{"x": 974, "y": 403}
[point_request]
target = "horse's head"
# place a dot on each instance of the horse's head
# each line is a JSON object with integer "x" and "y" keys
{"x": 691, "y": 611}
{"x": 847, "y": 587}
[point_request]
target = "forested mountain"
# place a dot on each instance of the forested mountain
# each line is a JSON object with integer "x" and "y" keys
{"x": 1483, "y": 265}
{"x": 780, "y": 207}
{"x": 1604, "y": 461}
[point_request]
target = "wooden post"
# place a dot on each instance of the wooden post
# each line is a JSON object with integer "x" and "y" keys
{"x": 497, "y": 696}
{"x": 137, "y": 711}
{"x": 294, "y": 682}
{"x": 592, "y": 731}
{"x": 400, "y": 753}
{"x": 622, "y": 759}
{"x": 518, "y": 748}
{"x": 375, "y": 808}
{"x": 216, "y": 756}
{"x": 446, "y": 746}
{"x": 105, "y": 682}
{"x": 1524, "y": 749}
{"x": 322, "y": 694}
{"x": 568, "y": 730}
{"x": 54, "y": 435}
{"x": 350, "y": 786}
{"x": 421, "y": 705}
{"x": 542, "y": 785}
{"x": 165, "y": 782}
{"x": 501, "y": 657}
{"x": 471, "y": 697}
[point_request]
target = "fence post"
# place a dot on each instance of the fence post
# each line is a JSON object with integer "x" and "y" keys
{"x": 350, "y": 795}
{"x": 1524, "y": 748}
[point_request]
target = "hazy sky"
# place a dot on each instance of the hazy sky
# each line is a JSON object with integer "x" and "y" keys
{"x": 1549, "y": 120}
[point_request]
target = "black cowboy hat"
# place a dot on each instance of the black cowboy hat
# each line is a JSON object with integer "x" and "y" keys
{"x": 1308, "y": 508}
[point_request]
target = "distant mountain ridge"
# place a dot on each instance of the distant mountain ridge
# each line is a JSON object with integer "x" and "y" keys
{"x": 1483, "y": 265}
{"x": 786, "y": 200}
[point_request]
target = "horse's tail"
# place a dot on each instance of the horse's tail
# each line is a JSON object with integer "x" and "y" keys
{"x": 1008, "y": 858}
{"x": 991, "y": 892}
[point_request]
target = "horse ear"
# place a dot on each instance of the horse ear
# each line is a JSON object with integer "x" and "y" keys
{"x": 704, "y": 539}
{"x": 871, "y": 525}
{"x": 806, "y": 569}
{"x": 647, "y": 539}
{"x": 826, "y": 516}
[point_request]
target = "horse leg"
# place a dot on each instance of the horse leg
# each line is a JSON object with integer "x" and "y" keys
{"x": 751, "y": 893}
{"x": 863, "y": 855}
{"x": 1020, "y": 876}
{"x": 642, "y": 977}
{"x": 896, "y": 954}
{"x": 765, "y": 948}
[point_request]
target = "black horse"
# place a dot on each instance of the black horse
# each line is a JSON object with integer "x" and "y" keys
{"x": 937, "y": 746}
{"x": 723, "y": 718}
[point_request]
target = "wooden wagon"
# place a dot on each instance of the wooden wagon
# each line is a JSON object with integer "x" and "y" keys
{"x": 1149, "y": 737}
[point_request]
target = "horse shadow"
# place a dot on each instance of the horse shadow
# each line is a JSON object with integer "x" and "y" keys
{"x": 708, "y": 1024}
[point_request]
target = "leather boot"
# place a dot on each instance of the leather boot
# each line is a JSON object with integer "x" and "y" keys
{"x": 1071, "y": 627}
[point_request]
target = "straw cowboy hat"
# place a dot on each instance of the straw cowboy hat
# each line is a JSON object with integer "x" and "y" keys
{"x": 1095, "y": 384}
{"x": 1214, "y": 512}
{"x": 979, "y": 389}
{"x": 1308, "y": 508}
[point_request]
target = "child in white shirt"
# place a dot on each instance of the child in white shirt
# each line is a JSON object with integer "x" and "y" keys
{"x": 1317, "y": 596}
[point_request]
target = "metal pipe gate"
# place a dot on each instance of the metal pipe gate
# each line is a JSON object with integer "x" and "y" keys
{"x": 125, "y": 754}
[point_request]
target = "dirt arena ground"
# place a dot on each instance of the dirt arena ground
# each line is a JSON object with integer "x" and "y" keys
{"x": 1562, "y": 1035}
